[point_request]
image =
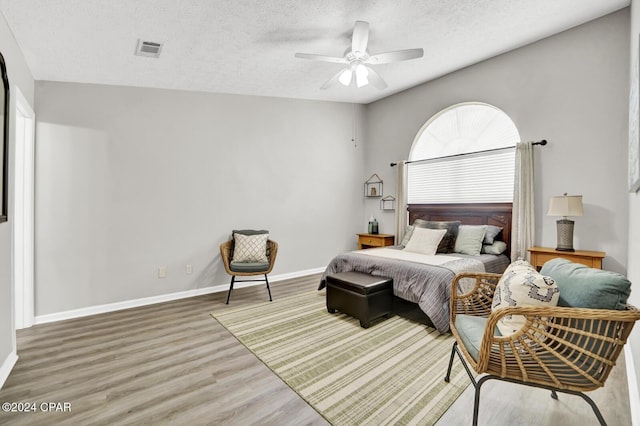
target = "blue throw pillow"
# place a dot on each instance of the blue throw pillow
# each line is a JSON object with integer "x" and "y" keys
{"x": 584, "y": 287}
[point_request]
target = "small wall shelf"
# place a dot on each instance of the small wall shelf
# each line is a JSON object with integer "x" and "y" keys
{"x": 388, "y": 203}
{"x": 373, "y": 187}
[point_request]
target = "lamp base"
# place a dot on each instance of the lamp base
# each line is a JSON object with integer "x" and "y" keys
{"x": 565, "y": 235}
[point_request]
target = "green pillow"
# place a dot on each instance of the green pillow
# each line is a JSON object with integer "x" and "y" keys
{"x": 407, "y": 235}
{"x": 498, "y": 247}
{"x": 491, "y": 234}
{"x": 584, "y": 287}
{"x": 469, "y": 240}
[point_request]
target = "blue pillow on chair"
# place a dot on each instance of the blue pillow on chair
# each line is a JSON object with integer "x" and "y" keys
{"x": 584, "y": 287}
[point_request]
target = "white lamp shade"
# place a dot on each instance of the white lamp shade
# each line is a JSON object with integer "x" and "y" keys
{"x": 345, "y": 77}
{"x": 361, "y": 75}
{"x": 565, "y": 205}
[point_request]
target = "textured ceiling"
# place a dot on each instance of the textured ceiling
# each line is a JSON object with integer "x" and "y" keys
{"x": 248, "y": 47}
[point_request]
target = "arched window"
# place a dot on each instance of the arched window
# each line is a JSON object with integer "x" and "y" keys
{"x": 463, "y": 154}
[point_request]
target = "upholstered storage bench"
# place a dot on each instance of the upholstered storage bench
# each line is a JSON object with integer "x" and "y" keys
{"x": 362, "y": 296}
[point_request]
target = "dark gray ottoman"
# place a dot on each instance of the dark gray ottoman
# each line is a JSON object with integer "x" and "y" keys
{"x": 362, "y": 296}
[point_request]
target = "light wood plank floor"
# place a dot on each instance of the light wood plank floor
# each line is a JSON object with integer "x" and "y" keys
{"x": 172, "y": 363}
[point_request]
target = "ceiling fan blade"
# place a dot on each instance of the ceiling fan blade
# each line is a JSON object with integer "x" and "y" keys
{"x": 321, "y": 58}
{"x": 360, "y": 38}
{"x": 395, "y": 56}
{"x": 333, "y": 80}
{"x": 375, "y": 79}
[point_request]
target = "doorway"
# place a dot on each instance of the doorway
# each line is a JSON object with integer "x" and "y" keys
{"x": 23, "y": 213}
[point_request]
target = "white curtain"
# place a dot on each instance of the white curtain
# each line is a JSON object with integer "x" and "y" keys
{"x": 523, "y": 222}
{"x": 401, "y": 200}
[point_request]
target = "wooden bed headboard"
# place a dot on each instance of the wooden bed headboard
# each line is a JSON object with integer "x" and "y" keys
{"x": 498, "y": 214}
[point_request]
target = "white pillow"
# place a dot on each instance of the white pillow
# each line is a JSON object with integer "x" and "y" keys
{"x": 250, "y": 248}
{"x": 522, "y": 285}
{"x": 469, "y": 239}
{"x": 425, "y": 240}
{"x": 498, "y": 247}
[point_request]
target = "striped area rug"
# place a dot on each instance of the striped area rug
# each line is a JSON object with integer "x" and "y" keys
{"x": 390, "y": 373}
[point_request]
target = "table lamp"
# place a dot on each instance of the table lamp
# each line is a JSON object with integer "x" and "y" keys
{"x": 565, "y": 205}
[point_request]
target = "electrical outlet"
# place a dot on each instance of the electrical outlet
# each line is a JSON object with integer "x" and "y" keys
{"x": 162, "y": 272}
{"x": 188, "y": 269}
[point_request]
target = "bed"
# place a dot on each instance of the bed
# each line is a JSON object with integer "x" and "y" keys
{"x": 425, "y": 280}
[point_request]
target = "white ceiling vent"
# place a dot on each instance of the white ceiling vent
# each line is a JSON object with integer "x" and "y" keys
{"x": 148, "y": 48}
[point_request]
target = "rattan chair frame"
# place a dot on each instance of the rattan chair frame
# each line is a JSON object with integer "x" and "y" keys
{"x": 226, "y": 253}
{"x": 569, "y": 350}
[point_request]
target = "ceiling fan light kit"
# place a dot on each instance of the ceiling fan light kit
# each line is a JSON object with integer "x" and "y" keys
{"x": 358, "y": 60}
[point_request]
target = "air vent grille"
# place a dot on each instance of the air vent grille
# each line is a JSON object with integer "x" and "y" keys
{"x": 149, "y": 49}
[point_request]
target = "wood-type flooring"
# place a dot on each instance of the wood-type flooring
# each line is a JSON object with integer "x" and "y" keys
{"x": 172, "y": 363}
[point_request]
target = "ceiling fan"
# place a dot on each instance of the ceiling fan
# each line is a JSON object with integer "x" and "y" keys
{"x": 357, "y": 60}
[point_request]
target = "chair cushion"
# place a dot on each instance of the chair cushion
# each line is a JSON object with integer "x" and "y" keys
{"x": 250, "y": 248}
{"x": 584, "y": 287}
{"x": 471, "y": 328}
{"x": 522, "y": 285}
{"x": 249, "y": 266}
{"x": 448, "y": 242}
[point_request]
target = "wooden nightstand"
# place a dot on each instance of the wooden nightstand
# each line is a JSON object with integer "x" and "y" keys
{"x": 539, "y": 255}
{"x": 375, "y": 240}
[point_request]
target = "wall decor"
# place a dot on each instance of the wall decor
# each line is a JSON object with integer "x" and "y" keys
{"x": 388, "y": 203}
{"x": 373, "y": 186}
{"x": 4, "y": 143}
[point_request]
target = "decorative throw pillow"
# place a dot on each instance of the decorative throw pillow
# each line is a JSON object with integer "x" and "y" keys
{"x": 522, "y": 285}
{"x": 584, "y": 287}
{"x": 407, "y": 235}
{"x": 250, "y": 248}
{"x": 424, "y": 240}
{"x": 469, "y": 240}
{"x": 491, "y": 233}
{"x": 498, "y": 247}
{"x": 449, "y": 240}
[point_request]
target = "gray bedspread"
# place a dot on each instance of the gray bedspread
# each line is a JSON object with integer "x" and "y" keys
{"x": 427, "y": 285}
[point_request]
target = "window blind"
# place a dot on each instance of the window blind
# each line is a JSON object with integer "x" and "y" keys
{"x": 485, "y": 177}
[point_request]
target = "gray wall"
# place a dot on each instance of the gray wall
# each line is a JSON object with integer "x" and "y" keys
{"x": 570, "y": 89}
{"x": 19, "y": 76}
{"x": 130, "y": 179}
{"x": 634, "y": 204}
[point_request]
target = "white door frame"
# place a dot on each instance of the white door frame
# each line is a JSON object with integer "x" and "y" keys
{"x": 23, "y": 213}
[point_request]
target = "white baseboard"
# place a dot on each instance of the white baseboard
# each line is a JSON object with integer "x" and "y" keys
{"x": 110, "y": 307}
{"x": 7, "y": 366}
{"x": 632, "y": 380}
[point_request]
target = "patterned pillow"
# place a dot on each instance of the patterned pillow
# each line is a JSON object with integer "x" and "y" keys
{"x": 449, "y": 240}
{"x": 250, "y": 248}
{"x": 522, "y": 285}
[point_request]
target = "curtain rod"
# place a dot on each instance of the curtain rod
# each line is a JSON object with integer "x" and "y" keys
{"x": 543, "y": 142}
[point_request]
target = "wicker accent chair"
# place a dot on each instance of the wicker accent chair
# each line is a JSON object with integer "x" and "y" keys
{"x": 226, "y": 253}
{"x": 561, "y": 349}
